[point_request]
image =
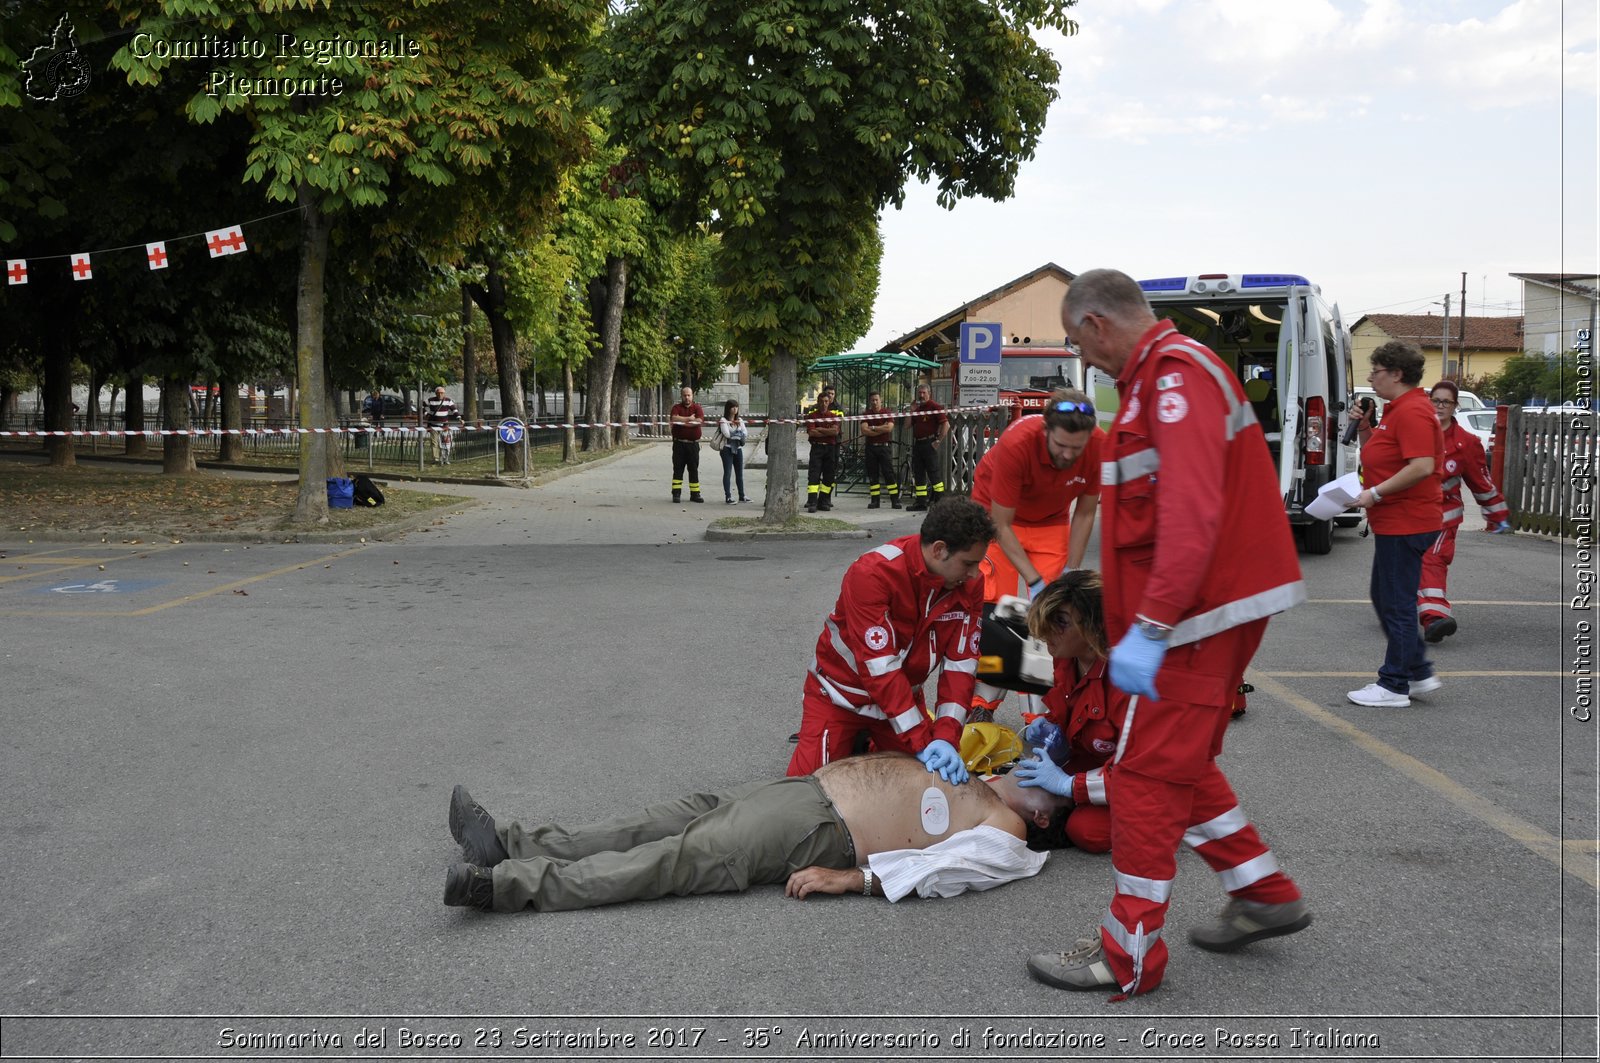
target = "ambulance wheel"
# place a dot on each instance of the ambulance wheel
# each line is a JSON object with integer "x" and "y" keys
{"x": 1317, "y": 537}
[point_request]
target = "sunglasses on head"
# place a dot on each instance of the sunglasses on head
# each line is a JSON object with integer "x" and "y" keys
{"x": 1072, "y": 407}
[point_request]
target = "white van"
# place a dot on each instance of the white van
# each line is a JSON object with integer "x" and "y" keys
{"x": 1291, "y": 352}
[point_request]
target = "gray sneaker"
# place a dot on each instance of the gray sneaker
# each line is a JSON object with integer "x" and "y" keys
{"x": 1242, "y": 922}
{"x": 1084, "y": 967}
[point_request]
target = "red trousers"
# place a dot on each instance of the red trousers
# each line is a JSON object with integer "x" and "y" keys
{"x": 1089, "y": 828}
{"x": 828, "y": 732}
{"x": 1431, "y": 601}
{"x": 1168, "y": 789}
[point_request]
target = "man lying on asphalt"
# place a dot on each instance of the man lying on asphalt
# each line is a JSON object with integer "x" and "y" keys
{"x": 878, "y": 824}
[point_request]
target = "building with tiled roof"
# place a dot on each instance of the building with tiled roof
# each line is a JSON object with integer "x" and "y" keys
{"x": 1557, "y": 307}
{"x": 1489, "y": 342}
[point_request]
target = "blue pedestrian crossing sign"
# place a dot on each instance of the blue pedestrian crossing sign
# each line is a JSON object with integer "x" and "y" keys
{"x": 511, "y": 431}
{"x": 980, "y": 343}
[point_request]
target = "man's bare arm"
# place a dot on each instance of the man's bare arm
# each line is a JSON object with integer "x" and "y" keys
{"x": 809, "y": 880}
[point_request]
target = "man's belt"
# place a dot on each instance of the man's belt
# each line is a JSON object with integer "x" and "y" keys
{"x": 883, "y": 444}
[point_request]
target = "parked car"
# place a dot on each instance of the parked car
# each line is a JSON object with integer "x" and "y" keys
{"x": 386, "y": 406}
{"x": 1468, "y": 401}
{"x": 1480, "y": 423}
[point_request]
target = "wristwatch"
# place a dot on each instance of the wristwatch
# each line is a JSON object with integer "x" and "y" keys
{"x": 866, "y": 880}
{"x": 1152, "y": 630}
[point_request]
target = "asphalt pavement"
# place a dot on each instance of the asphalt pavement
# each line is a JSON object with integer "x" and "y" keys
{"x": 225, "y": 768}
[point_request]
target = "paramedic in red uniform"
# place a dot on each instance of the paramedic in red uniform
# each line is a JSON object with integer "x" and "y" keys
{"x": 1041, "y": 484}
{"x": 1464, "y": 460}
{"x": 1197, "y": 554}
{"x": 929, "y": 425}
{"x": 687, "y": 416}
{"x": 905, "y": 608}
{"x": 1083, "y": 705}
{"x": 1402, "y": 460}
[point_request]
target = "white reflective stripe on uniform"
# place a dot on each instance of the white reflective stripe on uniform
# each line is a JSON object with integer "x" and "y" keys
{"x": 952, "y": 711}
{"x": 1151, "y": 889}
{"x": 1450, "y": 484}
{"x": 1094, "y": 784}
{"x": 1452, "y": 515}
{"x": 837, "y": 638}
{"x": 1498, "y": 510}
{"x": 966, "y": 666}
{"x": 833, "y": 690}
{"x": 1129, "y": 467}
{"x": 906, "y": 720}
{"x": 1134, "y": 942}
{"x": 1434, "y": 607}
{"x": 1240, "y": 415}
{"x": 887, "y": 550}
{"x": 883, "y": 665}
{"x": 1219, "y": 827}
{"x": 1249, "y": 872}
{"x": 1127, "y": 729}
{"x": 1258, "y": 606}
{"x": 1430, "y": 592}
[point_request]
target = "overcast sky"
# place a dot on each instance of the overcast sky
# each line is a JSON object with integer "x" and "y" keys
{"x": 1379, "y": 148}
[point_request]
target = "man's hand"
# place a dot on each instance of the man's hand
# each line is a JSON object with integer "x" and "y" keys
{"x": 809, "y": 880}
{"x": 1135, "y": 661}
{"x": 1038, "y": 732}
{"x": 1043, "y": 773}
{"x": 941, "y": 757}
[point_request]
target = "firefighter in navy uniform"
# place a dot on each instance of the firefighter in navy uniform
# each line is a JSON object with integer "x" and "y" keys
{"x": 824, "y": 424}
{"x": 687, "y": 416}
{"x": 877, "y": 433}
{"x": 927, "y": 430}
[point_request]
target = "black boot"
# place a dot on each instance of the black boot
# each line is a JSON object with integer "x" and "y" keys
{"x": 677, "y": 496}
{"x": 811, "y": 504}
{"x": 825, "y": 505}
{"x": 917, "y": 505}
{"x": 473, "y": 827}
{"x": 872, "y": 504}
{"x": 469, "y": 886}
{"x": 894, "y": 500}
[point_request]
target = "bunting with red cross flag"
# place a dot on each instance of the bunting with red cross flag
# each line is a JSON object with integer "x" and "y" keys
{"x": 156, "y": 254}
{"x": 81, "y": 269}
{"x": 229, "y": 241}
{"x": 16, "y": 271}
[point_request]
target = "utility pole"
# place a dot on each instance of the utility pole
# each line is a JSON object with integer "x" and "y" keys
{"x": 1444, "y": 364}
{"x": 1463, "y": 343}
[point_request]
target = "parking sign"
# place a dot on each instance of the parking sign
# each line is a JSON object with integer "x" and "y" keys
{"x": 980, "y": 342}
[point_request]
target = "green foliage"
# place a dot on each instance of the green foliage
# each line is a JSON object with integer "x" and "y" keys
{"x": 1531, "y": 376}
{"x": 792, "y": 123}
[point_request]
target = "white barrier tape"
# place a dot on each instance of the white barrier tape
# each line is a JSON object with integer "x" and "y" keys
{"x": 152, "y": 433}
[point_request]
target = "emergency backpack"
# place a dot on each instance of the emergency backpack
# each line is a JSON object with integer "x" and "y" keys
{"x": 366, "y": 493}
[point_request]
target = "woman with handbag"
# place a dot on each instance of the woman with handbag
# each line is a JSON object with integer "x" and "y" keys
{"x": 733, "y": 431}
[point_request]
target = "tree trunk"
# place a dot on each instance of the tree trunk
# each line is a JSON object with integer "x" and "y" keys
{"x": 491, "y": 299}
{"x": 607, "y": 298}
{"x": 232, "y": 447}
{"x": 177, "y": 452}
{"x": 621, "y": 382}
{"x": 311, "y": 507}
{"x": 469, "y": 362}
{"x": 781, "y": 469}
{"x": 91, "y": 410}
{"x": 58, "y": 397}
{"x": 569, "y": 435}
{"x": 133, "y": 416}
{"x": 8, "y": 405}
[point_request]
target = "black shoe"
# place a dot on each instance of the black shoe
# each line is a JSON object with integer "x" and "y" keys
{"x": 811, "y": 506}
{"x": 1438, "y": 629}
{"x": 823, "y": 507}
{"x": 918, "y": 506}
{"x": 677, "y": 497}
{"x": 895, "y": 502}
{"x": 794, "y": 739}
{"x": 696, "y": 498}
{"x": 872, "y": 504}
{"x": 743, "y": 499}
{"x": 469, "y": 886}
{"x": 473, "y": 827}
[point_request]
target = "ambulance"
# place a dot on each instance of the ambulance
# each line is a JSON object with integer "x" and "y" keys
{"x": 1291, "y": 351}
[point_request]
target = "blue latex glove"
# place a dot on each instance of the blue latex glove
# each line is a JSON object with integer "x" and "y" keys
{"x": 940, "y": 756}
{"x": 1135, "y": 661}
{"x": 1500, "y": 529}
{"x": 1035, "y": 587}
{"x": 1041, "y": 772}
{"x": 1038, "y": 732}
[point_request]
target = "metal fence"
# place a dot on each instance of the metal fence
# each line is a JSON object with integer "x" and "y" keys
{"x": 1549, "y": 469}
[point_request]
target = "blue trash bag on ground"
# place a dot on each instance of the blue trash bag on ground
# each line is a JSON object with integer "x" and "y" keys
{"x": 341, "y": 492}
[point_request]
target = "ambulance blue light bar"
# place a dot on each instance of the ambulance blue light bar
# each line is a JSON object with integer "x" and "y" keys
{"x": 1165, "y": 284}
{"x": 1272, "y": 280}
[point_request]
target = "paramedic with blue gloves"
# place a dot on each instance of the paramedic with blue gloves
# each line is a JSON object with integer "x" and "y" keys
{"x": 1197, "y": 554}
{"x": 906, "y": 608}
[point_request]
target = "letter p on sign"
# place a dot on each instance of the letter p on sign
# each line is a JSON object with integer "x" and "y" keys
{"x": 980, "y": 342}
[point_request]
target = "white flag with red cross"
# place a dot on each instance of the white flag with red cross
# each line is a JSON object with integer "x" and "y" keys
{"x": 156, "y": 254}
{"x": 81, "y": 269}
{"x": 16, "y": 271}
{"x": 229, "y": 241}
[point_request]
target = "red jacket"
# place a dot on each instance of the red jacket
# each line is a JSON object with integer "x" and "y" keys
{"x": 1195, "y": 535}
{"x": 1409, "y": 429}
{"x": 893, "y": 625}
{"x": 1464, "y": 460}
{"x": 1090, "y": 711}
{"x": 1016, "y": 472}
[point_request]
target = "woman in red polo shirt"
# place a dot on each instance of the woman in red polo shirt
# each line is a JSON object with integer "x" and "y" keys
{"x": 1400, "y": 462}
{"x": 1084, "y": 711}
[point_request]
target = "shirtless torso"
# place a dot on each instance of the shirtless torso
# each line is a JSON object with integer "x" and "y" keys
{"x": 885, "y": 800}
